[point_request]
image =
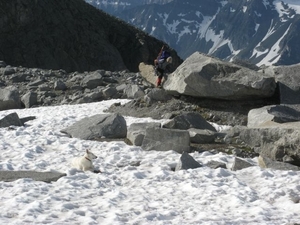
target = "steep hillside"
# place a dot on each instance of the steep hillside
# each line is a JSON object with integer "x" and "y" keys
{"x": 115, "y": 6}
{"x": 71, "y": 35}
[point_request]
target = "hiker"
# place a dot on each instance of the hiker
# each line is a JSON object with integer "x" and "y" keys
{"x": 161, "y": 63}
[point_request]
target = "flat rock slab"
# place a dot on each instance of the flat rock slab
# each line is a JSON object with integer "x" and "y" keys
{"x": 9, "y": 176}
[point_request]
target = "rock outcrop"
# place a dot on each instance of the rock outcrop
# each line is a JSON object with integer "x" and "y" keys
{"x": 206, "y": 77}
{"x": 288, "y": 80}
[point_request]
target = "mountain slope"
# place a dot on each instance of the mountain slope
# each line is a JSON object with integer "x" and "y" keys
{"x": 71, "y": 35}
{"x": 264, "y": 32}
{"x": 115, "y": 6}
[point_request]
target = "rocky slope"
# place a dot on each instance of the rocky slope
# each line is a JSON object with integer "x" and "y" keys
{"x": 73, "y": 36}
{"x": 33, "y": 87}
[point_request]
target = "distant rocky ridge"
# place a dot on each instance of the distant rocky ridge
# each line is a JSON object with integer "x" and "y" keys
{"x": 262, "y": 32}
{"x": 73, "y": 36}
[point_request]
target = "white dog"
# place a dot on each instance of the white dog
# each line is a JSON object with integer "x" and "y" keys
{"x": 85, "y": 163}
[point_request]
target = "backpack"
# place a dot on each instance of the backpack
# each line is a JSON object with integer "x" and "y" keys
{"x": 164, "y": 55}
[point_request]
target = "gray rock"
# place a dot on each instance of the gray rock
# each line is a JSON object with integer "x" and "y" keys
{"x": 36, "y": 83}
{"x": 93, "y": 80}
{"x": 60, "y": 85}
{"x": 239, "y": 164}
{"x": 166, "y": 139}
{"x": 216, "y": 165}
{"x": 44, "y": 87}
{"x": 277, "y": 113}
{"x": 110, "y": 80}
{"x": 11, "y": 120}
{"x": 148, "y": 73}
{"x": 8, "y": 70}
{"x": 203, "y": 76}
{"x": 187, "y": 162}
{"x": 121, "y": 87}
{"x": 288, "y": 80}
{"x": 98, "y": 126}
{"x": 9, "y": 98}
{"x": 285, "y": 113}
{"x": 96, "y": 95}
{"x": 29, "y": 99}
{"x": 201, "y": 136}
{"x": 26, "y": 119}
{"x": 136, "y": 132}
{"x": 133, "y": 91}
{"x": 48, "y": 177}
{"x": 157, "y": 94}
{"x": 189, "y": 120}
{"x": 274, "y": 143}
{"x": 260, "y": 116}
{"x": 109, "y": 92}
{"x": 17, "y": 78}
{"x": 264, "y": 162}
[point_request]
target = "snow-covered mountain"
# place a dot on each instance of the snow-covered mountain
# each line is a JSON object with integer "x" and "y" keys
{"x": 263, "y": 32}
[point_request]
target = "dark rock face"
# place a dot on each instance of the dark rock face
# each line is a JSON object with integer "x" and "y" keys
{"x": 112, "y": 6}
{"x": 71, "y": 35}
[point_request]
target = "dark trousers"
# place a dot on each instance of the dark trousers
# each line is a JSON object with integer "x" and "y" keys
{"x": 160, "y": 74}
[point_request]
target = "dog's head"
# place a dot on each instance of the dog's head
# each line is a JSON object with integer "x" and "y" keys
{"x": 90, "y": 155}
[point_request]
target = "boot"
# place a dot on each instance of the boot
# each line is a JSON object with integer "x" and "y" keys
{"x": 158, "y": 82}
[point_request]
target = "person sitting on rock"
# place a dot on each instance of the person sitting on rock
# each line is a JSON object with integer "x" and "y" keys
{"x": 161, "y": 63}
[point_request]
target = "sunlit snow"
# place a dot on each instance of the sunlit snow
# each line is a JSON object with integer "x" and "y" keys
{"x": 148, "y": 193}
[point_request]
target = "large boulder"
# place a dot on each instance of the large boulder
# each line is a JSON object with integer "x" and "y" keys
{"x": 30, "y": 99}
{"x": 133, "y": 91}
{"x": 136, "y": 132}
{"x": 262, "y": 117}
{"x": 147, "y": 72}
{"x": 264, "y": 163}
{"x": 166, "y": 139}
{"x": 202, "y": 136}
{"x": 9, "y": 98}
{"x": 204, "y": 76}
{"x": 11, "y": 120}
{"x": 189, "y": 120}
{"x": 239, "y": 164}
{"x": 285, "y": 113}
{"x": 98, "y": 126}
{"x": 157, "y": 94}
{"x": 276, "y": 143}
{"x": 93, "y": 80}
{"x": 259, "y": 116}
{"x": 288, "y": 80}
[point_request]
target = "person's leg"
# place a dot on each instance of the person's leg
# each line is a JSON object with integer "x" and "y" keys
{"x": 159, "y": 78}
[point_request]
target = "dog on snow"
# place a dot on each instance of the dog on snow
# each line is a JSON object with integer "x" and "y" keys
{"x": 85, "y": 162}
